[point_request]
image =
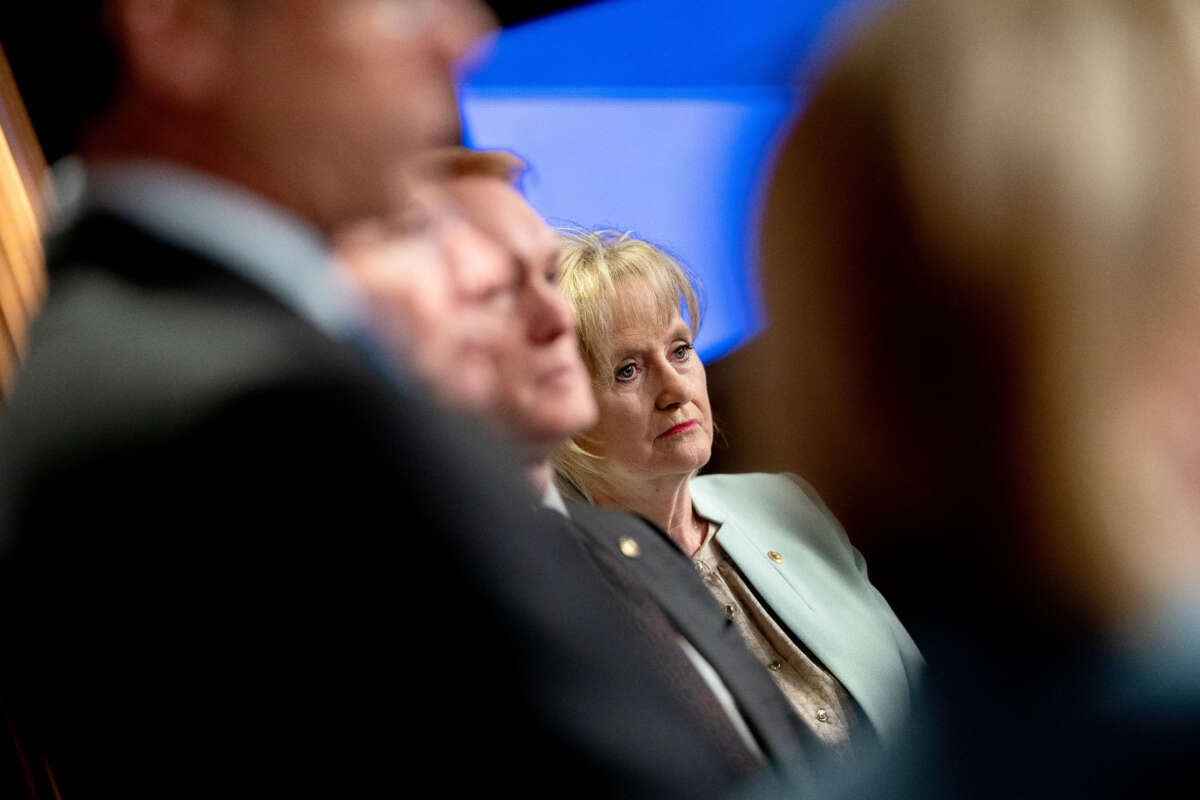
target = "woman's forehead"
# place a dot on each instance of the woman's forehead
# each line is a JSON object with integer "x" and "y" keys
{"x": 639, "y": 312}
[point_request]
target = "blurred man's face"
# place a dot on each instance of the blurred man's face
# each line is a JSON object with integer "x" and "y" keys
{"x": 331, "y": 93}
{"x": 438, "y": 292}
{"x": 545, "y": 391}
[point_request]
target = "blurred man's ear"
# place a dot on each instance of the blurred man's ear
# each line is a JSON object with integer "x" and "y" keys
{"x": 176, "y": 51}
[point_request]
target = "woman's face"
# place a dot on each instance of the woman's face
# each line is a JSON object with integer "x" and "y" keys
{"x": 655, "y": 420}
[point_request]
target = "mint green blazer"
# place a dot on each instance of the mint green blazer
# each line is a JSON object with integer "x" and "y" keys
{"x": 816, "y": 584}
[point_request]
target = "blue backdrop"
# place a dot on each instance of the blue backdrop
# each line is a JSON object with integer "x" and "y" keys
{"x": 656, "y": 117}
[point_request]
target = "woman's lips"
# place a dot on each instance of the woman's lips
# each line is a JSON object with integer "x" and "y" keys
{"x": 680, "y": 428}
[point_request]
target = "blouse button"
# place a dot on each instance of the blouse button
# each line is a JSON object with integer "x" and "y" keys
{"x": 774, "y": 556}
{"x": 774, "y": 666}
{"x": 822, "y": 715}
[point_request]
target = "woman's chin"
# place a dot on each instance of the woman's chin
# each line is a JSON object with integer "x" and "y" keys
{"x": 685, "y": 458}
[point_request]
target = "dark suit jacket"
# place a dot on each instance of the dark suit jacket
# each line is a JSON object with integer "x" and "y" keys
{"x": 237, "y": 561}
{"x": 671, "y": 579}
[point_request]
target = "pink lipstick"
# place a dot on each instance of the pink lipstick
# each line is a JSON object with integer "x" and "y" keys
{"x": 680, "y": 428}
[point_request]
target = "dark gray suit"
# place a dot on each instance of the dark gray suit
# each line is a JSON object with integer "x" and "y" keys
{"x": 670, "y": 578}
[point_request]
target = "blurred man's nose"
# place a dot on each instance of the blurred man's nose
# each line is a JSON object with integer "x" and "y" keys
{"x": 549, "y": 314}
{"x": 459, "y": 24}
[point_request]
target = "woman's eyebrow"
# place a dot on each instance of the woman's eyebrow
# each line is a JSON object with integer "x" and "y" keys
{"x": 680, "y": 331}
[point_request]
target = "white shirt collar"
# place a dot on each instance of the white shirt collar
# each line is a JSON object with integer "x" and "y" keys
{"x": 263, "y": 242}
{"x": 552, "y": 499}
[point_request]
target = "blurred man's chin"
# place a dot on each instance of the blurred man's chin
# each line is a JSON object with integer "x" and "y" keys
{"x": 550, "y": 431}
{"x": 572, "y": 410}
{"x": 472, "y": 394}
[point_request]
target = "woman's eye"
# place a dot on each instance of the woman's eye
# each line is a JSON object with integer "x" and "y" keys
{"x": 626, "y": 372}
{"x": 681, "y": 352}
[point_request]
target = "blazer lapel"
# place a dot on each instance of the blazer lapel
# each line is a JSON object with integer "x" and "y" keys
{"x": 671, "y": 578}
{"x": 818, "y": 592}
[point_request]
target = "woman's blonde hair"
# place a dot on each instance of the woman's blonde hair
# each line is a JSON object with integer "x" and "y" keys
{"x": 594, "y": 265}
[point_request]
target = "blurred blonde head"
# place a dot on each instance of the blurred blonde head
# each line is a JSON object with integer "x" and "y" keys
{"x": 980, "y": 249}
{"x": 595, "y": 265}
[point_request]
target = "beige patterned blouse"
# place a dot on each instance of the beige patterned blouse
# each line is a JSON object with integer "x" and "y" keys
{"x": 818, "y": 697}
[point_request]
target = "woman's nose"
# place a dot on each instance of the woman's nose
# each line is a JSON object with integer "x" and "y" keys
{"x": 674, "y": 389}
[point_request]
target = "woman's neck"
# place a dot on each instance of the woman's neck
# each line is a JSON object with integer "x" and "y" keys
{"x": 668, "y": 504}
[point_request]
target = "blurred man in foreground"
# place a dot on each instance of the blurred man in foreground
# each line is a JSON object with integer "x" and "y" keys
{"x": 196, "y": 450}
{"x": 980, "y": 249}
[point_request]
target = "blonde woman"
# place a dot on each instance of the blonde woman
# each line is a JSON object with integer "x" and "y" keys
{"x": 766, "y": 546}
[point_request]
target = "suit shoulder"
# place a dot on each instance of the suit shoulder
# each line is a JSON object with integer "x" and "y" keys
{"x": 138, "y": 328}
{"x": 598, "y": 521}
{"x": 111, "y": 361}
{"x": 754, "y": 487}
{"x": 777, "y": 502}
